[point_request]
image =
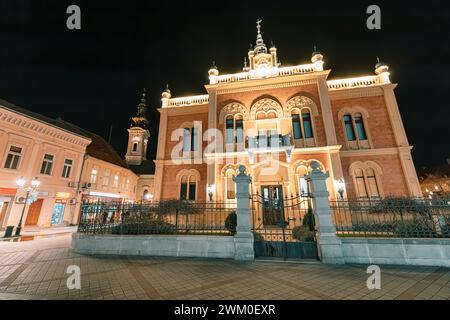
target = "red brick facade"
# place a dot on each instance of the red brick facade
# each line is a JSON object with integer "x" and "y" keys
{"x": 375, "y": 162}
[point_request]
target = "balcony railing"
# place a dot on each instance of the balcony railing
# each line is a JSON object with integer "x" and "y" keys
{"x": 273, "y": 141}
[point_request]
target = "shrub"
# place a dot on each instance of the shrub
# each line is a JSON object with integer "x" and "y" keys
{"x": 415, "y": 230}
{"x": 399, "y": 205}
{"x": 231, "y": 222}
{"x": 148, "y": 226}
{"x": 308, "y": 219}
{"x": 257, "y": 236}
{"x": 302, "y": 233}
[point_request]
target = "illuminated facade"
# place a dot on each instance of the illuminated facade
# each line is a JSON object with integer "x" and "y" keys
{"x": 275, "y": 120}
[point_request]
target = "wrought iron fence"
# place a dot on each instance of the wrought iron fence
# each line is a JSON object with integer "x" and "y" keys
{"x": 168, "y": 217}
{"x": 392, "y": 217}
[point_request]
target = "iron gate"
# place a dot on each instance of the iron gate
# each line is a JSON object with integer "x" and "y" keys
{"x": 283, "y": 227}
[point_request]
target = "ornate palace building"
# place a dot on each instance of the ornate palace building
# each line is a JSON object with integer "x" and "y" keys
{"x": 275, "y": 120}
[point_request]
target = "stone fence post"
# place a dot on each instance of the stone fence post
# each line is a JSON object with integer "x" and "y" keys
{"x": 329, "y": 245}
{"x": 243, "y": 239}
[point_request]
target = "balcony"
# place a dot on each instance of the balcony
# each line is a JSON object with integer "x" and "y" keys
{"x": 265, "y": 142}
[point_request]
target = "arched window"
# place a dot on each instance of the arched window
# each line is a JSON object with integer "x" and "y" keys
{"x": 302, "y": 128}
{"x": 349, "y": 132}
{"x": 190, "y": 139}
{"x": 359, "y": 124}
{"x": 307, "y": 126}
{"x": 230, "y": 185}
{"x": 355, "y": 127}
{"x": 229, "y": 128}
{"x": 296, "y": 126}
{"x": 303, "y": 188}
{"x": 234, "y": 132}
{"x": 366, "y": 176}
{"x": 188, "y": 188}
{"x": 239, "y": 123}
{"x": 135, "y": 145}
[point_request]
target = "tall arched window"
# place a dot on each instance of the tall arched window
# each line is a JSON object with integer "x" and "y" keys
{"x": 234, "y": 132}
{"x": 366, "y": 176}
{"x": 359, "y": 124}
{"x": 355, "y": 129}
{"x": 296, "y": 126}
{"x": 230, "y": 185}
{"x": 349, "y": 132}
{"x": 188, "y": 188}
{"x": 307, "y": 126}
{"x": 302, "y": 128}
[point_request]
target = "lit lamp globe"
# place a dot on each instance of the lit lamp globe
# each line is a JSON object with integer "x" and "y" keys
{"x": 35, "y": 183}
{"x": 20, "y": 182}
{"x": 340, "y": 186}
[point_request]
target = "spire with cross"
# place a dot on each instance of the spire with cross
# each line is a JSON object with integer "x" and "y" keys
{"x": 260, "y": 47}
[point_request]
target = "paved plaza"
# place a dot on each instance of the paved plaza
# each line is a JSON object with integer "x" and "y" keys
{"x": 37, "y": 270}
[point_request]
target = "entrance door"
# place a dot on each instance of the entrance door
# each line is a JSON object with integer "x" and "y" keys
{"x": 33, "y": 213}
{"x": 272, "y": 197}
{"x": 282, "y": 226}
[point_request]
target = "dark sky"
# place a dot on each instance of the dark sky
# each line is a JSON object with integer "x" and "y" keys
{"x": 94, "y": 77}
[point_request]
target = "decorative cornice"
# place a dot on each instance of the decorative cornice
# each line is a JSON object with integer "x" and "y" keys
{"x": 41, "y": 128}
{"x": 356, "y": 92}
{"x": 268, "y": 86}
{"x": 374, "y": 152}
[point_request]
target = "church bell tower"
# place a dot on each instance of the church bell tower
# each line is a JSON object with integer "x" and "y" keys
{"x": 138, "y": 135}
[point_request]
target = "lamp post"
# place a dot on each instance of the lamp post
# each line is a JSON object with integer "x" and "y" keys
{"x": 34, "y": 185}
{"x": 340, "y": 186}
{"x": 210, "y": 190}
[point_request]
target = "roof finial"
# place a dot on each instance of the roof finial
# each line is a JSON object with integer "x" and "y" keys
{"x": 258, "y": 25}
{"x": 378, "y": 59}
{"x": 245, "y": 62}
{"x": 260, "y": 47}
{"x": 144, "y": 94}
{"x": 315, "y": 48}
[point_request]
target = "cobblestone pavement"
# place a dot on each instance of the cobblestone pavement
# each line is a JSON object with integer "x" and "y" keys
{"x": 37, "y": 270}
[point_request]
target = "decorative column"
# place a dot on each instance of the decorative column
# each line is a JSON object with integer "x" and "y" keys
{"x": 243, "y": 239}
{"x": 327, "y": 114}
{"x": 329, "y": 245}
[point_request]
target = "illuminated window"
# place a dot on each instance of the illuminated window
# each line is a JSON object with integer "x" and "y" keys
{"x": 94, "y": 173}
{"x": 116, "y": 181}
{"x": 106, "y": 177}
{"x": 230, "y": 185}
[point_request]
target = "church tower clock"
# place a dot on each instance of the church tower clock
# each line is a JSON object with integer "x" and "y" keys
{"x": 138, "y": 135}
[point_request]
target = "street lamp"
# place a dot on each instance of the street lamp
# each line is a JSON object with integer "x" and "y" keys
{"x": 210, "y": 190}
{"x": 148, "y": 197}
{"x": 340, "y": 186}
{"x": 31, "y": 189}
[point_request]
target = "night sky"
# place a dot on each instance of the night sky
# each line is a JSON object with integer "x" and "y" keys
{"x": 94, "y": 77}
